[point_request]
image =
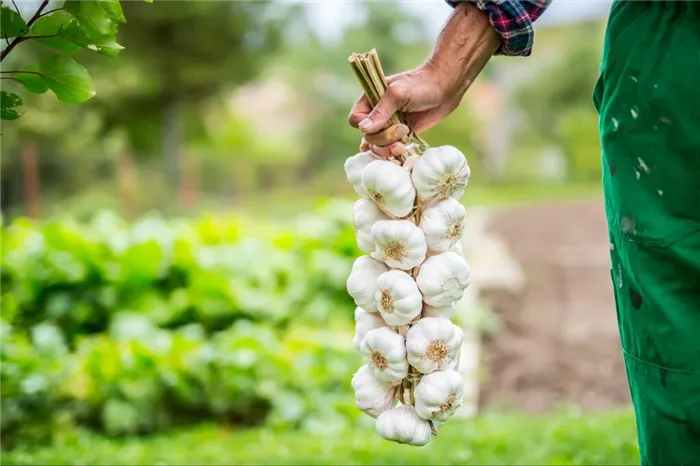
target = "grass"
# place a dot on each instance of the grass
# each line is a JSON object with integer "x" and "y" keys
{"x": 564, "y": 437}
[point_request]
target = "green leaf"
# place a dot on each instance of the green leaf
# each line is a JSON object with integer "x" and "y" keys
{"x": 56, "y": 23}
{"x": 33, "y": 83}
{"x": 114, "y": 10}
{"x": 91, "y": 17}
{"x": 67, "y": 79}
{"x": 9, "y": 106}
{"x": 11, "y": 23}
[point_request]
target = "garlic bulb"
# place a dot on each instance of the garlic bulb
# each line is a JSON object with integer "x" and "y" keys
{"x": 371, "y": 394}
{"x": 443, "y": 224}
{"x": 353, "y": 169}
{"x": 403, "y": 425}
{"x": 438, "y": 311}
{"x": 385, "y": 351}
{"x": 439, "y": 394}
{"x": 399, "y": 243}
{"x": 443, "y": 278}
{"x": 362, "y": 282}
{"x": 397, "y": 297}
{"x": 441, "y": 172}
{"x": 389, "y": 186}
{"x": 364, "y": 322}
{"x": 432, "y": 344}
{"x": 365, "y": 215}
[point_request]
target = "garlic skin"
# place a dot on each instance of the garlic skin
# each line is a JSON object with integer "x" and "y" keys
{"x": 439, "y": 311}
{"x": 364, "y": 322}
{"x": 398, "y": 298}
{"x": 389, "y": 186}
{"x": 443, "y": 225}
{"x": 365, "y": 214}
{"x": 403, "y": 425}
{"x": 433, "y": 344}
{"x": 400, "y": 244}
{"x": 439, "y": 394}
{"x": 385, "y": 351}
{"x": 353, "y": 169}
{"x": 371, "y": 394}
{"x": 440, "y": 173}
{"x": 443, "y": 278}
{"x": 362, "y": 282}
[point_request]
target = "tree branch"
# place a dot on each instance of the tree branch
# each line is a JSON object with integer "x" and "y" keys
{"x": 18, "y": 40}
{"x": 16, "y": 9}
{"x": 49, "y": 12}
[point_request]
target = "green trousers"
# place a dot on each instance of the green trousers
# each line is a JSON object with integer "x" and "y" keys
{"x": 648, "y": 100}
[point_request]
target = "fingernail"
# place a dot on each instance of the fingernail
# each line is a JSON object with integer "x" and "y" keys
{"x": 402, "y": 131}
{"x": 366, "y": 123}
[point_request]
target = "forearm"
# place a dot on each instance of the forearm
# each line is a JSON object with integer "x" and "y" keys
{"x": 464, "y": 46}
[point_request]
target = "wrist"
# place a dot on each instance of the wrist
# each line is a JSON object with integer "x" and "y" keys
{"x": 464, "y": 46}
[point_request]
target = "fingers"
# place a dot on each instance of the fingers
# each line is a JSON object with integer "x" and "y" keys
{"x": 364, "y": 145}
{"x": 359, "y": 111}
{"x": 392, "y": 150}
{"x": 394, "y": 133}
{"x": 395, "y": 97}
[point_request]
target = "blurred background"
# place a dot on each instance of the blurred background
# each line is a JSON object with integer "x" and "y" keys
{"x": 175, "y": 249}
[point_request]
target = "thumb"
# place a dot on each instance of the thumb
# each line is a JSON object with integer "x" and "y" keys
{"x": 390, "y": 103}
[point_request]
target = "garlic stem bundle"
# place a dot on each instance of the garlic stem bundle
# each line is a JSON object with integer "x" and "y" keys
{"x": 403, "y": 425}
{"x": 362, "y": 282}
{"x": 397, "y": 297}
{"x": 372, "y": 395}
{"x": 385, "y": 352}
{"x": 365, "y": 214}
{"x": 432, "y": 344}
{"x": 389, "y": 186}
{"x": 400, "y": 244}
{"x": 364, "y": 322}
{"x": 439, "y": 394}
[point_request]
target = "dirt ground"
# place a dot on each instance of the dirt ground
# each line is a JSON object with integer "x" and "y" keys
{"x": 558, "y": 341}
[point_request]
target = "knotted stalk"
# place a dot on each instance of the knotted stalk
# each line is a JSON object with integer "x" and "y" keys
{"x": 370, "y": 74}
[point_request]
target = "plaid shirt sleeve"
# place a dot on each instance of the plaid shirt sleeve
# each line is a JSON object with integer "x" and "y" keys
{"x": 513, "y": 20}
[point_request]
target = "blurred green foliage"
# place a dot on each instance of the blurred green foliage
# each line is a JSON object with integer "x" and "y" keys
{"x": 132, "y": 329}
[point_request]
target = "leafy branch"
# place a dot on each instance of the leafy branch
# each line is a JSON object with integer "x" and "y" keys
{"x": 78, "y": 24}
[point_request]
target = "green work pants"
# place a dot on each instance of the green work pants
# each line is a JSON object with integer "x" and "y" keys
{"x": 648, "y": 100}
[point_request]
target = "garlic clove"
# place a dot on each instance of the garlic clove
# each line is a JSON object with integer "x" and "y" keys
{"x": 364, "y": 322}
{"x": 353, "y": 169}
{"x": 397, "y": 298}
{"x": 362, "y": 282}
{"x": 365, "y": 215}
{"x": 400, "y": 244}
{"x": 385, "y": 352}
{"x": 403, "y": 425}
{"x": 433, "y": 343}
{"x": 389, "y": 186}
{"x": 440, "y": 173}
{"x": 443, "y": 225}
{"x": 438, "y": 311}
{"x": 372, "y": 395}
{"x": 443, "y": 278}
{"x": 439, "y": 395}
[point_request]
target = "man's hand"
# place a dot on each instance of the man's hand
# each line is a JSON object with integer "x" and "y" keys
{"x": 431, "y": 92}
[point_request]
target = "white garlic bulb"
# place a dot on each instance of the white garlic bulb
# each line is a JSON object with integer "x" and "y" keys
{"x": 371, "y": 394}
{"x": 443, "y": 224}
{"x": 389, "y": 186}
{"x": 443, "y": 278}
{"x": 439, "y": 311}
{"x": 353, "y": 169}
{"x": 439, "y": 394}
{"x": 365, "y": 215}
{"x": 397, "y": 297}
{"x": 433, "y": 343}
{"x": 400, "y": 244}
{"x": 403, "y": 425}
{"x": 364, "y": 322}
{"x": 385, "y": 351}
{"x": 439, "y": 173}
{"x": 362, "y": 282}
